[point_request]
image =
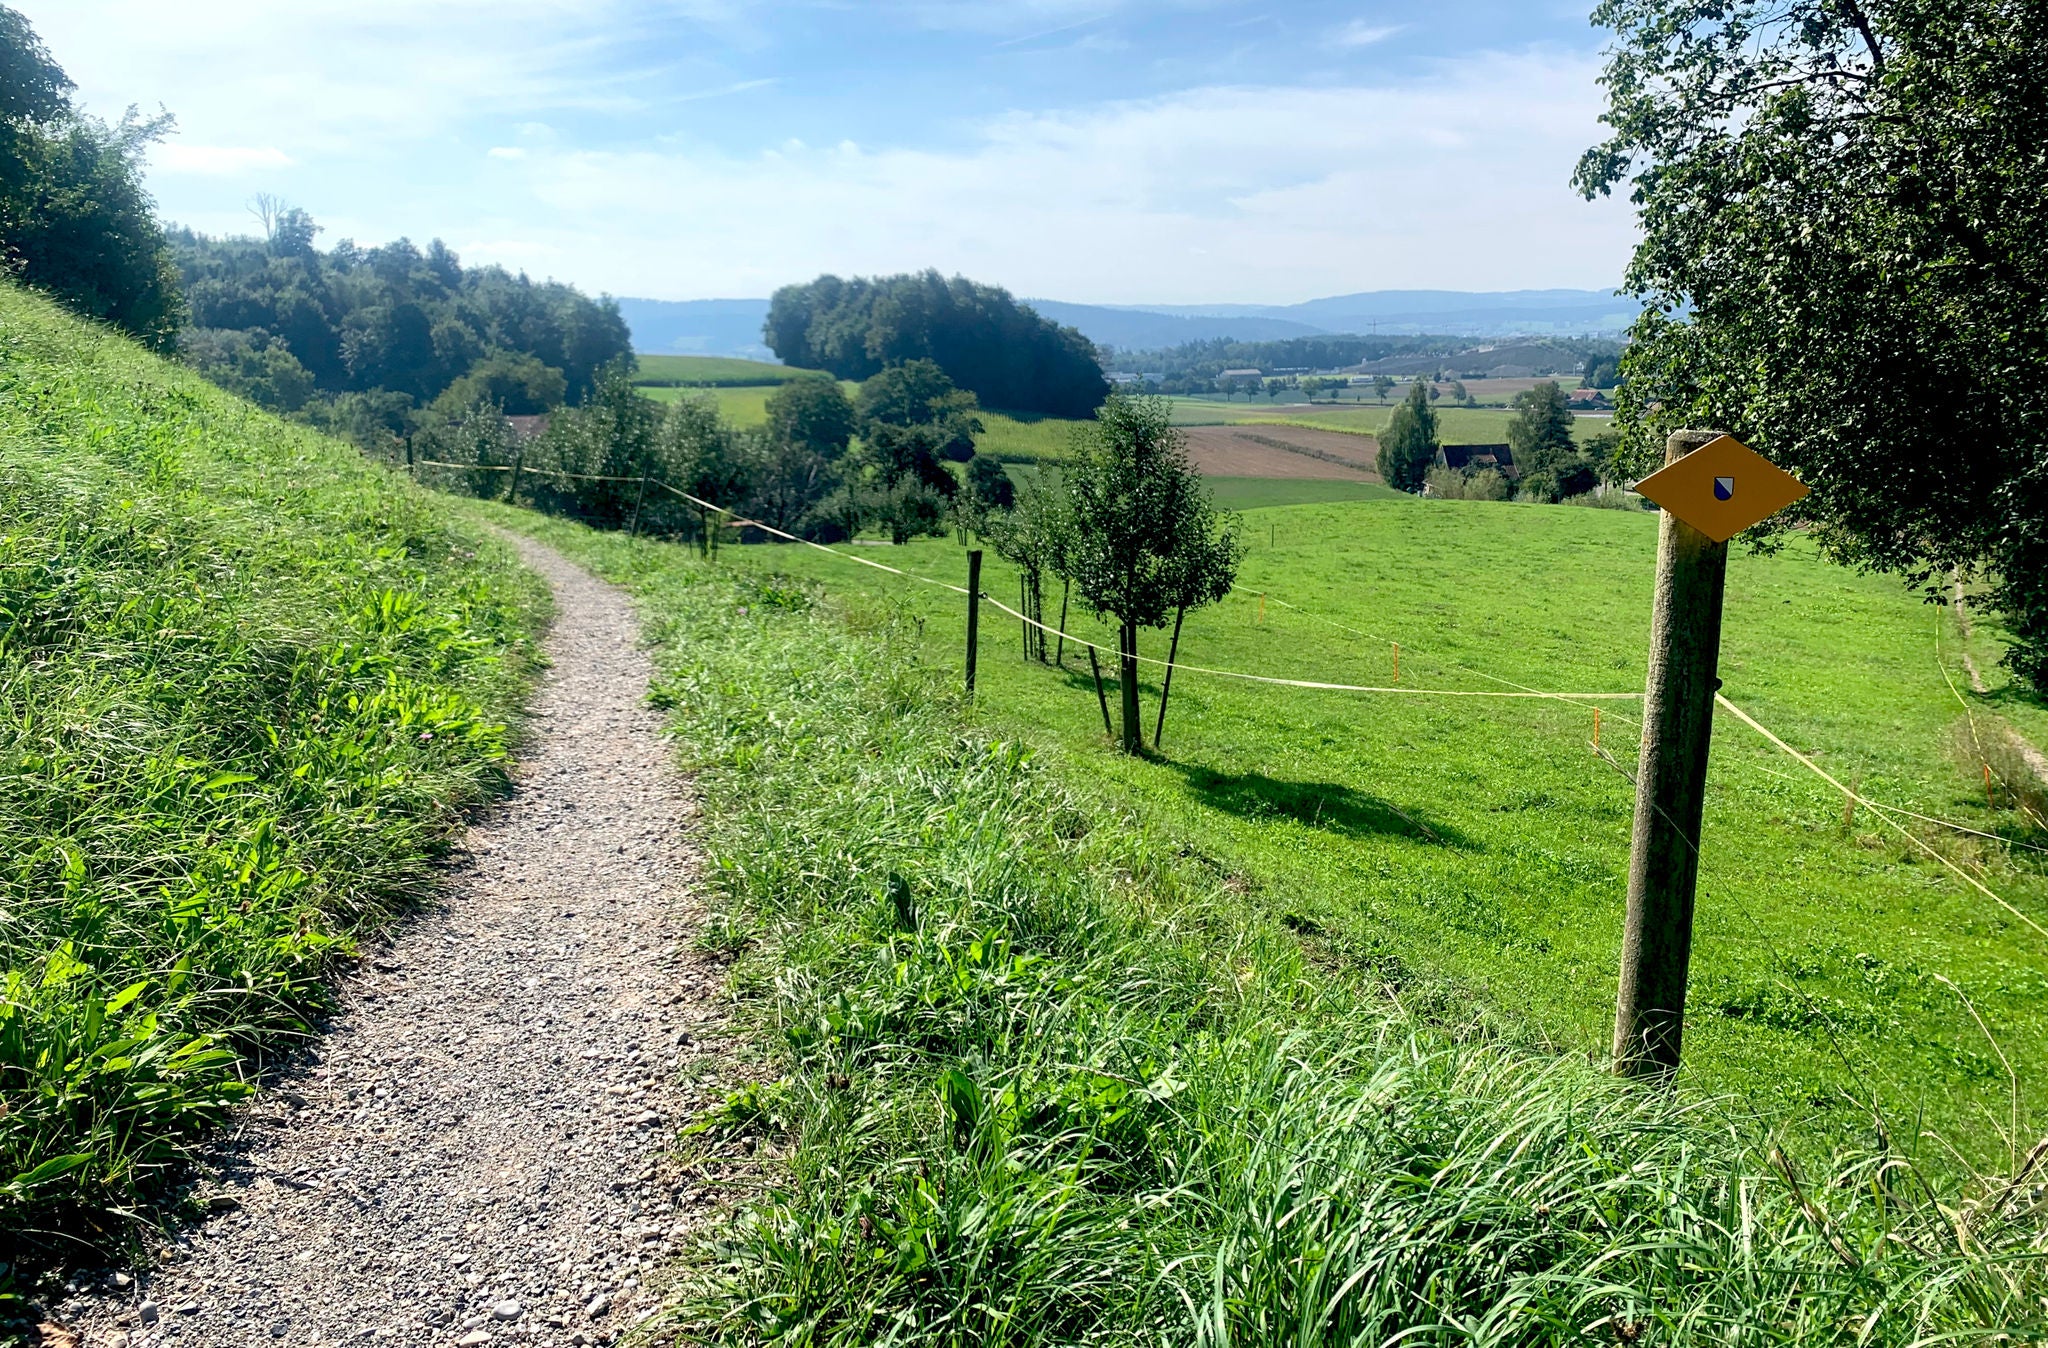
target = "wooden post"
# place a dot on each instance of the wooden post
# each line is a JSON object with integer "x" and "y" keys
{"x": 1100, "y": 695}
{"x": 973, "y": 615}
{"x": 1166, "y": 689}
{"x": 1596, "y": 728}
{"x": 1127, "y": 670}
{"x": 639, "y": 498}
{"x": 1671, "y": 783}
{"x": 1397, "y": 662}
{"x": 1024, "y": 607}
{"x": 512, "y": 492}
{"x": 411, "y": 470}
{"x": 1262, "y": 608}
{"x": 1060, "y": 657}
{"x": 704, "y": 528}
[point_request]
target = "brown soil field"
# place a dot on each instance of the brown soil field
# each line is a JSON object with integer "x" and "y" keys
{"x": 1264, "y": 451}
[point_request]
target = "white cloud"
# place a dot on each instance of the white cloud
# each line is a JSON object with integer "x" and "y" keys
{"x": 1360, "y": 33}
{"x": 218, "y": 161}
{"x": 506, "y": 152}
{"x": 1457, "y": 181}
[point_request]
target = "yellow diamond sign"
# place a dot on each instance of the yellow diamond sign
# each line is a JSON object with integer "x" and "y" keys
{"x": 1722, "y": 488}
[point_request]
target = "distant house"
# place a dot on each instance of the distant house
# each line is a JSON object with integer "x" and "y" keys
{"x": 1590, "y": 398}
{"x": 1472, "y": 458}
{"x": 526, "y": 428}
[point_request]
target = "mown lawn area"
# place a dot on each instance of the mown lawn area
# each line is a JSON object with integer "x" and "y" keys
{"x": 1484, "y": 841}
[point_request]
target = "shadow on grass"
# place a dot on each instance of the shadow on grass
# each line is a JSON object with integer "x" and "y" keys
{"x": 1321, "y": 805}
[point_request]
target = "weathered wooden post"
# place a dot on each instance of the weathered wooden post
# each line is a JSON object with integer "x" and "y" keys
{"x": 973, "y": 614}
{"x": 512, "y": 492}
{"x": 411, "y": 470}
{"x": 1711, "y": 488}
{"x": 639, "y": 499}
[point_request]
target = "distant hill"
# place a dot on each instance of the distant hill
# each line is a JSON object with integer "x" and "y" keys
{"x": 733, "y": 327}
{"x": 1451, "y": 313}
{"x": 698, "y": 327}
{"x": 1146, "y": 330}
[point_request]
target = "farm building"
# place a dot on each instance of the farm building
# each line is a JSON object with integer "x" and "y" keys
{"x": 1472, "y": 458}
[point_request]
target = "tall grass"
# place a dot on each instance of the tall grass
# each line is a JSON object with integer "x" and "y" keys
{"x": 1047, "y": 1077}
{"x": 246, "y": 682}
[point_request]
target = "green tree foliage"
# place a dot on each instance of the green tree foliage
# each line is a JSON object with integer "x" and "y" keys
{"x": 813, "y": 413}
{"x": 1382, "y": 386}
{"x": 1408, "y": 445}
{"x": 399, "y": 321}
{"x": 1144, "y": 538}
{"x": 259, "y": 368}
{"x": 75, "y": 220}
{"x": 989, "y": 485}
{"x": 1844, "y": 210}
{"x": 981, "y": 337}
{"x": 917, "y": 394}
{"x": 513, "y": 382}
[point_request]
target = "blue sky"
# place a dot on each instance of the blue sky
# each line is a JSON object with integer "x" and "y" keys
{"x": 1109, "y": 151}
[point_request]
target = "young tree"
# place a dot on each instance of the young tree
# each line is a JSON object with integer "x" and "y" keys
{"x": 917, "y": 394}
{"x": 813, "y": 413}
{"x": 1035, "y": 537}
{"x": 1844, "y": 215}
{"x": 700, "y": 452}
{"x": 989, "y": 487}
{"x": 1382, "y": 387}
{"x": 1141, "y": 519}
{"x": 1408, "y": 446}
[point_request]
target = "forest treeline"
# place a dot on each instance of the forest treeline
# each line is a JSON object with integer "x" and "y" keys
{"x": 378, "y": 342}
{"x": 987, "y": 342}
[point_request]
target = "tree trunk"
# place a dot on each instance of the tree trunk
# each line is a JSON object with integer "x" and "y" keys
{"x": 1038, "y": 616}
{"x": 1134, "y": 728}
{"x": 1166, "y": 690}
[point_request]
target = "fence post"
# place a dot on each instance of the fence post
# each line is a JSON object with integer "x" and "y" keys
{"x": 633, "y": 531}
{"x": 410, "y": 470}
{"x": 973, "y": 615}
{"x": 512, "y": 492}
{"x": 1100, "y": 695}
{"x": 1678, "y": 726}
{"x": 704, "y": 525}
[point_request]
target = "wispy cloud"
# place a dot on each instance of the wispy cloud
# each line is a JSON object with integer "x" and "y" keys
{"x": 219, "y": 161}
{"x": 1363, "y": 33}
{"x": 738, "y": 87}
{"x": 1207, "y": 194}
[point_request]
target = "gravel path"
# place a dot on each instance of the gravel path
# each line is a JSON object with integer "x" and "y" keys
{"x": 477, "y": 1152}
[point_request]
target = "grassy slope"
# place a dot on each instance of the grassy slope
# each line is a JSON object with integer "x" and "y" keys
{"x": 246, "y": 679}
{"x": 1812, "y": 933}
{"x": 1056, "y": 1073}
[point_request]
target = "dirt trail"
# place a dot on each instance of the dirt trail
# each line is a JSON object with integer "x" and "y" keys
{"x": 476, "y": 1154}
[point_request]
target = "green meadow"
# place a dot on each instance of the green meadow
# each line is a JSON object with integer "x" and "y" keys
{"x": 712, "y": 370}
{"x": 1481, "y": 844}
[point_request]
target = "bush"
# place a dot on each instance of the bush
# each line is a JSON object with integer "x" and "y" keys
{"x": 1488, "y": 484}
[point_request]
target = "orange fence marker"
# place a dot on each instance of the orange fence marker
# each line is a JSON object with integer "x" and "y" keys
{"x": 1262, "y": 610}
{"x": 1596, "y": 727}
{"x": 1397, "y": 662}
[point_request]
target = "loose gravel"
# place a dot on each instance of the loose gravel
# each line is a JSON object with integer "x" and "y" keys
{"x": 478, "y": 1151}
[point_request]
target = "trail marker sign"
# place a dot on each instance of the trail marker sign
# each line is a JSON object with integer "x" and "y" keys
{"x": 1722, "y": 488}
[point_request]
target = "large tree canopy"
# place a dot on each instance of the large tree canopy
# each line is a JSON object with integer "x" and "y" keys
{"x": 986, "y": 342}
{"x": 396, "y": 319}
{"x": 1845, "y": 215}
{"x": 75, "y": 219}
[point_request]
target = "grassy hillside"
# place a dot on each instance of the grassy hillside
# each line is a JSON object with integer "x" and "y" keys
{"x": 1045, "y": 1068}
{"x": 1484, "y": 841}
{"x": 246, "y": 680}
